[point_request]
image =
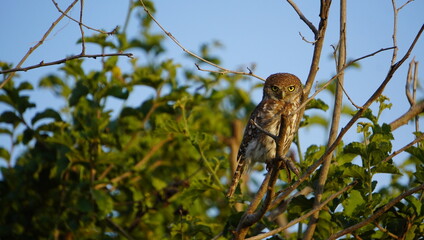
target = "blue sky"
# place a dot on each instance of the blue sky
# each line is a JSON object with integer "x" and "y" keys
{"x": 266, "y": 34}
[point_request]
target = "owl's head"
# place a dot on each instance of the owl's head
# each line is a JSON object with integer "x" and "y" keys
{"x": 282, "y": 87}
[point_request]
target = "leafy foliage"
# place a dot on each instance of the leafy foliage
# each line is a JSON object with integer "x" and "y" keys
{"x": 157, "y": 170}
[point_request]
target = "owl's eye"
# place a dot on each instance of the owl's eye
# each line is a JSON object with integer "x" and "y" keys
{"x": 274, "y": 88}
{"x": 291, "y": 88}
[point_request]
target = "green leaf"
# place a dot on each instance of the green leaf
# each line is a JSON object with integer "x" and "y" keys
{"x": 48, "y": 113}
{"x": 353, "y": 203}
{"x": 354, "y": 148}
{"x": 25, "y": 86}
{"x": 419, "y": 173}
{"x": 355, "y": 171}
{"x": 118, "y": 92}
{"x": 415, "y": 203}
{"x": 4, "y": 154}
{"x": 27, "y": 136}
{"x": 6, "y": 131}
{"x": 317, "y": 104}
{"x": 416, "y": 152}
{"x": 78, "y": 92}
{"x": 104, "y": 202}
{"x": 10, "y": 117}
{"x": 385, "y": 167}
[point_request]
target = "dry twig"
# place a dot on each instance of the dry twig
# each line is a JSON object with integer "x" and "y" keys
{"x": 19, "y": 67}
{"x": 81, "y": 23}
{"x": 304, "y": 19}
{"x": 416, "y": 140}
{"x": 222, "y": 70}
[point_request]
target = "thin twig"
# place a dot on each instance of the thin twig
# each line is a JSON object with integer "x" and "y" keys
{"x": 408, "y": 83}
{"x": 404, "y": 5}
{"x": 43, "y": 64}
{"x": 303, "y": 217}
{"x": 385, "y": 230}
{"x": 264, "y": 131}
{"x": 250, "y": 73}
{"x": 418, "y": 139}
{"x": 81, "y": 23}
{"x": 350, "y": 99}
{"x": 41, "y": 41}
{"x": 119, "y": 228}
{"x": 80, "y": 27}
{"x": 304, "y": 19}
{"x": 344, "y": 130}
{"x": 394, "y": 36}
{"x": 306, "y": 40}
{"x": 324, "y": 86}
{"x": 224, "y": 70}
{"x": 377, "y": 214}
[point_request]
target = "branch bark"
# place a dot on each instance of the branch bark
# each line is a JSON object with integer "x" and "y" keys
{"x": 411, "y": 113}
{"x": 338, "y": 100}
{"x": 303, "y": 217}
{"x": 32, "y": 49}
{"x": 222, "y": 70}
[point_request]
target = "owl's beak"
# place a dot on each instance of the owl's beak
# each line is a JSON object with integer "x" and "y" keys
{"x": 282, "y": 95}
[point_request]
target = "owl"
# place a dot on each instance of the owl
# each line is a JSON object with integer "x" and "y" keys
{"x": 282, "y": 95}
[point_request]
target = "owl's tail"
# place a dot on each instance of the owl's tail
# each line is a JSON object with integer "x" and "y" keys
{"x": 241, "y": 164}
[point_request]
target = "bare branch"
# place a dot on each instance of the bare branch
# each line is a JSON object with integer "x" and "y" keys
{"x": 264, "y": 131}
{"x": 81, "y": 23}
{"x": 80, "y": 26}
{"x": 303, "y": 217}
{"x": 304, "y": 19}
{"x": 412, "y": 112}
{"x": 343, "y": 131}
{"x": 313, "y": 70}
{"x": 306, "y": 40}
{"x": 224, "y": 70}
{"x": 32, "y": 49}
{"x": 250, "y": 73}
{"x": 44, "y": 64}
{"x": 418, "y": 139}
{"x": 335, "y": 121}
{"x": 404, "y": 5}
{"x": 337, "y": 75}
{"x": 378, "y": 213}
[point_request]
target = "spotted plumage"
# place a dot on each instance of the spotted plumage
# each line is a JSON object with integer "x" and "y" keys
{"x": 282, "y": 95}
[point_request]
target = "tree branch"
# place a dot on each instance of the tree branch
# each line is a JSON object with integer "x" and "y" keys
{"x": 325, "y": 85}
{"x": 303, "y": 217}
{"x": 81, "y": 23}
{"x": 44, "y": 64}
{"x": 343, "y": 131}
{"x": 335, "y": 121}
{"x": 223, "y": 70}
{"x": 378, "y": 213}
{"x": 304, "y": 19}
{"x": 418, "y": 139}
{"x": 411, "y": 113}
{"x": 32, "y": 49}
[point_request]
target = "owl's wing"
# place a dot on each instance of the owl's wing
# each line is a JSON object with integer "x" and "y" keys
{"x": 241, "y": 158}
